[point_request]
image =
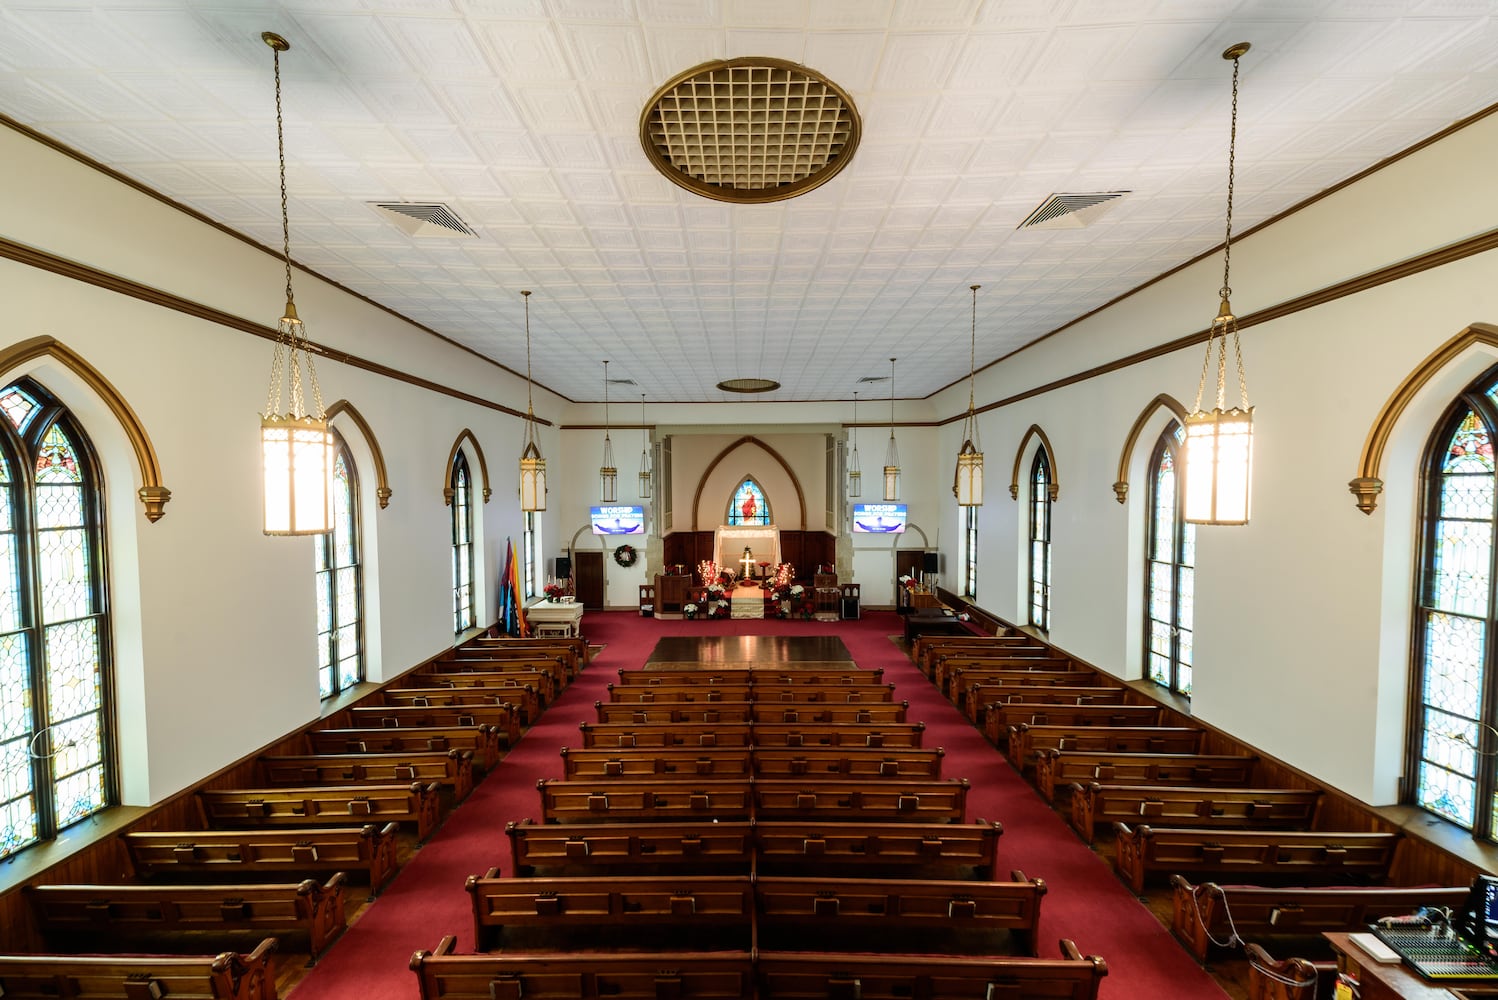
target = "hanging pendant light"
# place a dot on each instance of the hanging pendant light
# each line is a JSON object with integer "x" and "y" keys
{"x": 855, "y": 475}
{"x": 296, "y": 447}
{"x": 645, "y": 471}
{"x": 969, "y": 485}
{"x": 532, "y": 465}
{"x": 608, "y": 473}
{"x": 1219, "y": 443}
{"x": 891, "y": 454}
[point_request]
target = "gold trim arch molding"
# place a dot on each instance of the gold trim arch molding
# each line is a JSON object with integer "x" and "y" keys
{"x": 1169, "y": 402}
{"x": 344, "y": 408}
{"x": 447, "y": 491}
{"x": 742, "y": 442}
{"x": 153, "y": 495}
{"x": 1368, "y": 484}
{"x": 1050, "y": 453}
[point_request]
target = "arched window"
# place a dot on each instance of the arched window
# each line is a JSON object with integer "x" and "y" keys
{"x": 56, "y": 743}
{"x": 1452, "y": 741}
{"x": 969, "y": 551}
{"x": 1040, "y": 541}
{"x": 749, "y": 505}
{"x": 462, "y": 506}
{"x": 1170, "y": 572}
{"x": 340, "y": 585}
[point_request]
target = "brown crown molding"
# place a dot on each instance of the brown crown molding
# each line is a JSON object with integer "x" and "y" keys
{"x": 42, "y": 260}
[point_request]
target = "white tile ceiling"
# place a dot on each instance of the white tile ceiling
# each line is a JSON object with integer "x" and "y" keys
{"x": 522, "y": 116}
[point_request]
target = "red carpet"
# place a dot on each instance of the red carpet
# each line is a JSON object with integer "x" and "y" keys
{"x": 426, "y": 900}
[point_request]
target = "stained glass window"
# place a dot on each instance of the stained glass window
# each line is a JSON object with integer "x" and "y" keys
{"x": 54, "y": 713}
{"x": 1453, "y": 744}
{"x": 340, "y": 585}
{"x": 1040, "y": 541}
{"x": 1169, "y": 570}
{"x": 969, "y": 551}
{"x": 530, "y": 538}
{"x": 462, "y": 508}
{"x": 749, "y": 505}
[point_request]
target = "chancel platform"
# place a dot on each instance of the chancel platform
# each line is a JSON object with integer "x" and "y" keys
{"x": 687, "y": 652}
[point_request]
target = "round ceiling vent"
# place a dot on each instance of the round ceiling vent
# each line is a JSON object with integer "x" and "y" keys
{"x": 748, "y": 130}
{"x": 748, "y": 385}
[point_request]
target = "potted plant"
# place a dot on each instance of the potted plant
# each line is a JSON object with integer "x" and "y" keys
{"x": 689, "y": 610}
{"x": 555, "y": 591}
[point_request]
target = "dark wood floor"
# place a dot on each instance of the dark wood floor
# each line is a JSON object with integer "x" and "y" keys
{"x": 782, "y": 650}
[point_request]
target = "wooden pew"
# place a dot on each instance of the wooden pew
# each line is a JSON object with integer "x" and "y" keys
{"x": 1313, "y": 857}
{"x": 620, "y": 902}
{"x": 554, "y": 668}
{"x": 850, "y": 762}
{"x": 103, "y": 912}
{"x": 880, "y": 713}
{"x": 453, "y": 769}
{"x": 1011, "y": 714}
{"x": 953, "y": 676}
{"x": 665, "y": 713}
{"x": 930, "y": 648}
{"x": 943, "y": 801}
{"x": 234, "y": 855}
{"x": 877, "y": 849}
{"x": 677, "y": 694}
{"x": 501, "y": 717}
{"x": 575, "y": 647}
{"x": 809, "y": 692}
{"x": 964, "y": 679}
{"x": 724, "y": 674}
{"x": 839, "y": 734}
{"x": 613, "y": 799}
{"x": 630, "y": 735}
{"x": 523, "y": 699}
{"x": 1201, "y": 913}
{"x": 690, "y": 763}
{"x": 442, "y": 974}
{"x": 1026, "y": 740}
{"x": 964, "y": 914}
{"x": 1060, "y": 768}
{"x": 981, "y": 697}
{"x": 226, "y": 976}
{"x": 1288, "y": 979}
{"x": 545, "y": 682}
{"x": 1184, "y": 805}
{"x": 583, "y": 849}
{"x": 317, "y": 806}
{"x": 799, "y": 976}
{"x": 487, "y": 742}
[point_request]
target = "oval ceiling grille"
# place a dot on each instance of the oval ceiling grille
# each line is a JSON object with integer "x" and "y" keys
{"x": 750, "y": 129}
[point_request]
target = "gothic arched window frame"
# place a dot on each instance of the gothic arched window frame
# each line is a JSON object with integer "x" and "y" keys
{"x": 1169, "y": 569}
{"x": 460, "y": 481}
{"x": 82, "y": 743}
{"x": 747, "y": 487}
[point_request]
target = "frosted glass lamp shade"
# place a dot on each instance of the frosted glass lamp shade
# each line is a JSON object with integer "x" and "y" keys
{"x": 532, "y": 479}
{"x": 1219, "y": 466}
{"x": 969, "y": 476}
{"x": 297, "y": 455}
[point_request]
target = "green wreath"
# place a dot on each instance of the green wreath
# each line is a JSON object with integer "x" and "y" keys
{"x": 626, "y": 556}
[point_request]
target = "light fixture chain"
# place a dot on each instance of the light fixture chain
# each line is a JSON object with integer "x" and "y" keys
{"x": 526, "y": 297}
{"x": 972, "y": 357}
{"x": 277, "y": 370}
{"x": 1222, "y": 366}
{"x": 1242, "y": 378}
{"x": 1201, "y": 384}
{"x": 1227, "y": 239}
{"x": 281, "y": 161}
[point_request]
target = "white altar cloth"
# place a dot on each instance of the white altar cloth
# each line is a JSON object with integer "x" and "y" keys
{"x": 729, "y": 542}
{"x": 746, "y": 602}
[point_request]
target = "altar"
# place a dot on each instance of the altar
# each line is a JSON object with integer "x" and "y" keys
{"x": 731, "y": 540}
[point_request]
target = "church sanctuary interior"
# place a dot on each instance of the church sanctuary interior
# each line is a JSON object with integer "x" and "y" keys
{"x": 849, "y": 499}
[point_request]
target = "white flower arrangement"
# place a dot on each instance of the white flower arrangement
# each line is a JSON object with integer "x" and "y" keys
{"x": 690, "y": 609}
{"x": 797, "y": 590}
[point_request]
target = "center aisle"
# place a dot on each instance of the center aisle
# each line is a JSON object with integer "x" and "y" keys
{"x": 427, "y": 901}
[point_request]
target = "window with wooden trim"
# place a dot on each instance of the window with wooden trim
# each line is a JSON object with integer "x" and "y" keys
{"x": 531, "y": 555}
{"x": 969, "y": 551}
{"x": 461, "y": 483}
{"x": 56, "y": 714}
{"x": 340, "y": 584}
{"x": 1453, "y": 751}
{"x": 1169, "y": 569}
{"x": 1040, "y": 541}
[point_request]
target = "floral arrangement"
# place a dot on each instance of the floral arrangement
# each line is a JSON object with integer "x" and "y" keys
{"x": 785, "y": 574}
{"x": 555, "y": 590}
{"x": 626, "y": 556}
{"x": 907, "y": 581}
{"x": 710, "y": 572}
{"x": 715, "y": 591}
{"x": 690, "y": 610}
{"x": 797, "y": 590}
{"x": 721, "y": 611}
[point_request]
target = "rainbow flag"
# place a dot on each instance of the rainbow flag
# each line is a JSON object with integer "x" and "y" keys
{"x": 511, "y": 605}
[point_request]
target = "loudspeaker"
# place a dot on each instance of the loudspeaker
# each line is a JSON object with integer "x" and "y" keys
{"x": 930, "y": 562}
{"x": 563, "y": 567}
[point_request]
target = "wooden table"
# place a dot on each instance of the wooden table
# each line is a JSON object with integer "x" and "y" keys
{"x": 544, "y": 612}
{"x": 1399, "y": 982}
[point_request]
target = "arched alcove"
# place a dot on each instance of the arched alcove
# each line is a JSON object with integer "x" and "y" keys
{"x": 447, "y": 470}
{"x": 1126, "y": 458}
{"x": 1024, "y": 442}
{"x": 746, "y": 442}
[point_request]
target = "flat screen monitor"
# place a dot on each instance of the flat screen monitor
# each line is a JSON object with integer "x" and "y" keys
{"x": 618, "y": 520}
{"x": 879, "y": 518}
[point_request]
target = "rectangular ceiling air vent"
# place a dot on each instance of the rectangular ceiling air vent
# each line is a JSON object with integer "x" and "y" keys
{"x": 424, "y": 219}
{"x": 1071, "y": 211}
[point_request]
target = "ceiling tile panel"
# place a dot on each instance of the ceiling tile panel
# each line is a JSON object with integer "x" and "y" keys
{"x": 441, "y": 48}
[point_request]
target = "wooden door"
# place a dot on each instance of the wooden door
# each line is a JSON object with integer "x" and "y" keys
{"x": 587, "y": 578}
{"x": 907, "y": 563}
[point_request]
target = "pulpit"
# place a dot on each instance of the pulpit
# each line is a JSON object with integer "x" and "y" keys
{"x": 672, "y": 593}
